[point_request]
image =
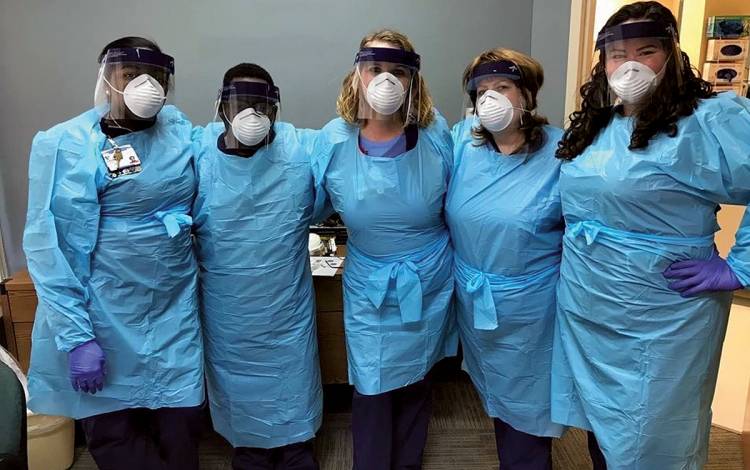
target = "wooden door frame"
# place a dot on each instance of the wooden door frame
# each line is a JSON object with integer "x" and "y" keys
{"x": 581, "y": 43}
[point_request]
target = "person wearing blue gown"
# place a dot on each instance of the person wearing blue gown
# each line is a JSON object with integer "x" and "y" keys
{"x": 116, "y": 340}
{"x": 503, "y": 211}
{"x": 384, "y": 166}
{"x": 644, "y": 296}
{"x": 252, "y": 215}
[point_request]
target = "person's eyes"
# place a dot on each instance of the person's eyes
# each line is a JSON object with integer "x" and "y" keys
{"x": 375, "y": 69}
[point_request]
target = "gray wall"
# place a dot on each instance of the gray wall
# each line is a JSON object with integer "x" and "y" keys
{"x": 48, "y": 52}
{"x": 549, "y": 45}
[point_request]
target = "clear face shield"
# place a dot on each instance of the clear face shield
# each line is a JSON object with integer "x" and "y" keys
{"x": 636, "y": 58}
{"x": 133, "y": 84}
{"x": 248, "y": 109}
{"x": 387, "y": 84}
{"x": 493, "y": 99}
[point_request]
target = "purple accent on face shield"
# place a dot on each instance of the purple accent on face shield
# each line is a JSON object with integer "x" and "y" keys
{"x": 140, "y": 56}
{"x": 639, "y": 29}
{"x": 500, "y": 68}
{"x": 386, "y": 54}
{"x": 251, "y": 89}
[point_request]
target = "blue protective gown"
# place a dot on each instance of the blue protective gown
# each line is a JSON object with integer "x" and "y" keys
{"x": 112, "y": 259}
{"x": 634, "y": 361}
{"x": 398, "y": 279}
{"x": 252, "y": 217}
{"x": 506, "y": 225}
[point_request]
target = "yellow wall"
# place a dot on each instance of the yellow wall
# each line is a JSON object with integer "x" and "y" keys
{"x": 732, "y": 399}
{"x": 729, "y": 218}
{"x": 727, "y": 7}
{"x": 693, "y": 29}
{"x": 730, "y": 404}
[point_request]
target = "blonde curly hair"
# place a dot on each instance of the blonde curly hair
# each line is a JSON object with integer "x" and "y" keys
{"x": 347, "y": 104}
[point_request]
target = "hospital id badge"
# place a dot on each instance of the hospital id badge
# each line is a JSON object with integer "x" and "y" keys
{"x": 121, "y": 161}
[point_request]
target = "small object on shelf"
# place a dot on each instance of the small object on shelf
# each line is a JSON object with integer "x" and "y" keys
{"x": 728, "y": 27}
{"x": 722, "y": 50}
{"x": 724, "y": 72}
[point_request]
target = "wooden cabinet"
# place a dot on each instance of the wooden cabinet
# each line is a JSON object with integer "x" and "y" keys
{"x": 19, "y": 306}
{"x": 331, "y": 339}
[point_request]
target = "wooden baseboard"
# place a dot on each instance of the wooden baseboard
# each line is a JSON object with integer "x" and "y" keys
{"x": 746, "y": 448}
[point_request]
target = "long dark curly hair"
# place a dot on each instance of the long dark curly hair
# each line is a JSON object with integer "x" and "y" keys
{"x": 677, "y": 94}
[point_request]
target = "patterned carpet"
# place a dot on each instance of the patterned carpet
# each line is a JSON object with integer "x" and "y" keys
{"x": 461, "y": 437}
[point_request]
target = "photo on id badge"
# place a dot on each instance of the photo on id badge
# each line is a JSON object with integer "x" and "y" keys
{"x": 121, "y": 160}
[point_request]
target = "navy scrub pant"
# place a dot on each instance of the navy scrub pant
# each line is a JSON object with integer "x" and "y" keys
{"x": 143, "y": 439}
{"x": 298, "y": 456}
{"x": 389, "y": 430}
{"x": 517, "y": 450}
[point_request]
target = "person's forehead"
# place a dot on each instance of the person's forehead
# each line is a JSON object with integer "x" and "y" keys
{"x": 489, "y": 82}
{"x": 632, "y": 43}
{"x": 383, "y": 44}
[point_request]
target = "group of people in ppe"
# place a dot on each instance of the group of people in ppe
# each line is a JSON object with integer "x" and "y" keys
{"x": 576, "y": 267}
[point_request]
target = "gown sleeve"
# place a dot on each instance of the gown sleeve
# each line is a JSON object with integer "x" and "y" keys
{"x": 61, "y": 233}
{"x": 724, "y": 166}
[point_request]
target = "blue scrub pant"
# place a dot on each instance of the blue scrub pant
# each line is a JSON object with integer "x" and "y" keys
{"x": 143, "y": 439}
{"x": 389, "y": 430}
{"x": 298, "y": 456}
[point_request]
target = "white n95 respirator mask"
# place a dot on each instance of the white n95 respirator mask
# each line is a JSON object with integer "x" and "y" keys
{"x": 385, "y": 94}
{"x": 495, "y": 111}
{"x": 633, "y": 81}
{"x": 250, "y": 127}
{"x": 144, "y": 96}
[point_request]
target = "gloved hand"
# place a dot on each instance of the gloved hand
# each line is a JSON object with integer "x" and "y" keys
{"x": 695, "y": 276}
{"x": 87, "y": 367}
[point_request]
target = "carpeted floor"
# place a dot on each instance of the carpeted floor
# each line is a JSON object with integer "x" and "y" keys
{"x": 461, "y": 437}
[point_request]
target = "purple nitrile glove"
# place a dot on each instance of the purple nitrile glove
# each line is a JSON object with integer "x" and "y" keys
{"x": 695, "y": 276}
{"x": 87, "y": 367}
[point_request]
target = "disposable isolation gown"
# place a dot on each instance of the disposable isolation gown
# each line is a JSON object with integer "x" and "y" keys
{"x": 398, "y": 279}
{"x": 252, "y": 218}
{"x": 112, "y": 259}
{"x": 634, "y": 361}
{"x": 506, "y": 226}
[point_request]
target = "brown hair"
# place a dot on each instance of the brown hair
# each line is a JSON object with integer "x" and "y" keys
{"x": 347, "y": 104}
{"x": 532, "y": 79}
